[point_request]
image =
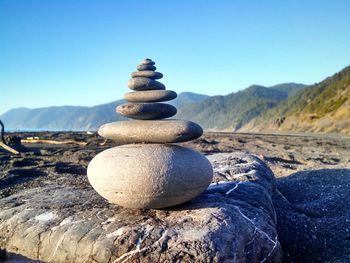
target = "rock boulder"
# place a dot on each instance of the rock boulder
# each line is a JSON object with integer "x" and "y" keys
{"x": 232, "y": 221}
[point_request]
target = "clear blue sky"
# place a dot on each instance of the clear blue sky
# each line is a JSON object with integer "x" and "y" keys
{"x": 82, "y": 52}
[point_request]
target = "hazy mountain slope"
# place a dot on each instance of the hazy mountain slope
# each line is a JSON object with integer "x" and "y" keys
{"x": 323, "y": 107}
{"x": 187, "y": 97}
{"x": 289, "y": 88}
{"x": 61, "y": 117}
{"x": 75, "y": 117}
{"x": 236, "y": 109}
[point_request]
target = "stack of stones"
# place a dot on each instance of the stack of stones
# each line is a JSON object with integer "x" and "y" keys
{"x": 148, "y": 171}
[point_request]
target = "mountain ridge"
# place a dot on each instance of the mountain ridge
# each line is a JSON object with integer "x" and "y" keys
{"x": 323, "y": 107}
{"x": 285, "y": 107}
{"x": 76, "y": 117}
{"x": 232, "y": 111}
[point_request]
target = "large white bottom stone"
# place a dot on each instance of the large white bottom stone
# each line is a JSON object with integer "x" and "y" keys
{"x": 149, "y": 175}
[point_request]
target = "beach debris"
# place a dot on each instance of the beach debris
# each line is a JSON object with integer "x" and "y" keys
{"x": 2, "y": 132}
{"x": 150, "y": 171}
{"x": 8, "y": 148}
{"x": 37, "y": 140}
{"x": 3, "y": 142}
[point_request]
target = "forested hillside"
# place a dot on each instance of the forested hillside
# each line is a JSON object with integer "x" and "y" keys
{"x": 323, "y": 107}
{"x": 232, "y": 111}
{"x": 76, "y": 117}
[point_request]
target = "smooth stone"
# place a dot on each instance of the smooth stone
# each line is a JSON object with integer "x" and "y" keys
{"x": 161, "y": 131}
{"x": 150, "y": 96}
{"x": 147, "y": 74}
{"x": 147, "y": 61}
{"x": 146, "y": 67}
{"x": 141, "y": 83}
{"x": 146, "y": 111}
{"x": 149, "y": 175}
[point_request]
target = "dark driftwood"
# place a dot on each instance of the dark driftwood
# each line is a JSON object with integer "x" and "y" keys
{"x": 2, "y": 132}
{"x": 2, "y": 138}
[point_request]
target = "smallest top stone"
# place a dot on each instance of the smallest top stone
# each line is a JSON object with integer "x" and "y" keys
{"x": 147, "y": 61}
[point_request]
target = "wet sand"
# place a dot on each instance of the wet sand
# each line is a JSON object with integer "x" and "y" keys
{"x": 284, "y": 153}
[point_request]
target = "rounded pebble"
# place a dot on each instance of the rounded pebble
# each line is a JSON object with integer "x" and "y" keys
{"x": 150, "y": 96}
{"x": 147, "y": 74}
{"x": 149, "y": 176}
{"x": 146, "y": 67}
{"x": 141, "y": 83}
{"x": 158, "y": 131}
{"x": 147, "y": 61}
{"x": 146, "y": 111}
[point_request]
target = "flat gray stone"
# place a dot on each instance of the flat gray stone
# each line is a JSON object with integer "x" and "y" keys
{"x": 147, "y": 61}
{"x": 146, "y": 67}
{"x": 150, "y": 96}
{"x": 161, "y": 131}
{"x": 146, "y": 111}
{"x": 61, "y": 221}
{"x": 141, "y": 83}
{"x": 147, "y": 74}
{"x": 149, "y": 175}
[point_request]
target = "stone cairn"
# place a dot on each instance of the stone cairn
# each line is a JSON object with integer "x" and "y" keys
{"x": 147, "y": 170}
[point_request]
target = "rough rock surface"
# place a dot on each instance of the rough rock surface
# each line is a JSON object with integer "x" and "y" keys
{"x": 149, "y": 175}
{"x": 313, "y": 211}
{"x": 152, "y": 131}
{"x": 232, "y": 221}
